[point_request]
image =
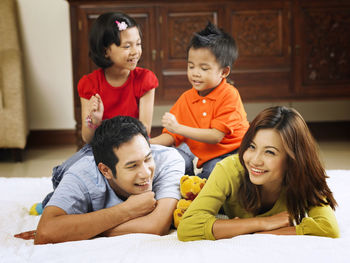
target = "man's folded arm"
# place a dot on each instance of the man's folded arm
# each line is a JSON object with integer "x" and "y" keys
{"x": 157, "y": 222}
{"x": 57, "y": 226}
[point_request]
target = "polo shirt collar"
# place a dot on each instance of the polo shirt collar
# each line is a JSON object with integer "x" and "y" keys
{"x": 195, "y": 97}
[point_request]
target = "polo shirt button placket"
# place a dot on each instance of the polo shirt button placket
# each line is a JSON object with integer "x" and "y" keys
{"x": 204, "y": 101}
{"x": 204, "y": 114}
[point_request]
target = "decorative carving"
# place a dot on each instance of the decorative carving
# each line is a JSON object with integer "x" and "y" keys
{"x": 181, "y": 29}
{"x": 327, "y": 45}
{"x": 258, "y": 33}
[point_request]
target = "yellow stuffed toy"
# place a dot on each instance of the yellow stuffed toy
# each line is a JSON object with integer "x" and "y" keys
{"x": 190, "y": 186}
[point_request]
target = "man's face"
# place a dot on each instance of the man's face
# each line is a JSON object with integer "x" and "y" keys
{"x": 135, "y": 168}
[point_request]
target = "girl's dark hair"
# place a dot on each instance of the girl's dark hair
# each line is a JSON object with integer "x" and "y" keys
{"x": 305, "y": 177}
{"x": 111, "y": 134}
{"x": 221, "y": 44}
{"x": 104, "y": 32}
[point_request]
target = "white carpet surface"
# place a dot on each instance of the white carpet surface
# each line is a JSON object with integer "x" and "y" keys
{"x": 18, "y": 194}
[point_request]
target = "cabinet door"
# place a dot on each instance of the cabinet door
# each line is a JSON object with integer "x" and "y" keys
{"x": 262, "y": 32}
{"x": 82, "y": 19}
{"x": 178, "y": 23}
{"x": 322, "y": 48}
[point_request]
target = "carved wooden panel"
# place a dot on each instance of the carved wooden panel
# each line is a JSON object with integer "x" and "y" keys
{"x": 262, "y": 33}
{"x": 326, "y": 54}
{"x": 322, "y": 49}
{"x": 258, "y": 34}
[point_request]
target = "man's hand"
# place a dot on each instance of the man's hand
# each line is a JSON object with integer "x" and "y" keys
{"x": 26, "y": 235}
{"x": 141, "y": 204}
{"x": 170, "y": 123}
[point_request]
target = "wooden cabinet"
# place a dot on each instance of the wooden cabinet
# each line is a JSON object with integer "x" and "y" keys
{"x": 288, "y": 49}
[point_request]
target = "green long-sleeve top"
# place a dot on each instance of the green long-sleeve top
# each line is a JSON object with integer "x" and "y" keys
{"x": 221, "y": 190}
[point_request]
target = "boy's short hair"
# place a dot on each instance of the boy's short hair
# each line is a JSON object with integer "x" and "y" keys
{"x": 221, "y": 44}
{"x": 111, "y": 134}
{"x": 104, "y": 32}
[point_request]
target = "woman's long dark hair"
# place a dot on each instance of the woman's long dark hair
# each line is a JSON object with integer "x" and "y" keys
{"x": 305, "y": 177}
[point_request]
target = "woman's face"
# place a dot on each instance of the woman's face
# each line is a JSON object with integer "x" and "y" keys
{"x": 265, "y": 159}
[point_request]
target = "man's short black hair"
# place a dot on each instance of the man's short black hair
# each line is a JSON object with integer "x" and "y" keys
{"x": 111, "y": 134}
{"x": 221, "y": 44}
{"x": 105, "y": 32}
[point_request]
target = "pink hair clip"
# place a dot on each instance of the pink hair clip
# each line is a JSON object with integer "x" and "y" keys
{"x": 121, "y": 25}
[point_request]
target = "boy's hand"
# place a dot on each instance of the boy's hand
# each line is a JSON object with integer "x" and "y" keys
{"x": 141, "y": 204}
{"x": 170, "y": 123}
{"x": 95, "y": 109}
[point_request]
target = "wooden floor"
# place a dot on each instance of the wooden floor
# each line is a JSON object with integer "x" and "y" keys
{"x": 38, "y": 162}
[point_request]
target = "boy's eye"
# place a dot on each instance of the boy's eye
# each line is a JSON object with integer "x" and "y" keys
{"x": 205, "y": 69}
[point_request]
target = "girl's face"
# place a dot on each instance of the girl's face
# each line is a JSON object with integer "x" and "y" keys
{"x": 266, "y": 159}
{"x": 129, "y": 52}
{"x": 203, "y": 71}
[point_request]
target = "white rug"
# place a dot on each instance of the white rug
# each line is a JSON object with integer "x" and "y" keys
{"x": 18, "y": 194}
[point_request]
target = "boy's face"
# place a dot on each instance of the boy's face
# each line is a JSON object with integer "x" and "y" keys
{"x": 203, "y": 71}
{"x": 135, "y": 168}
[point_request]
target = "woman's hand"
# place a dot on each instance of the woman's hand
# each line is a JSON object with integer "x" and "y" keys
{"x": 276, "y": 221}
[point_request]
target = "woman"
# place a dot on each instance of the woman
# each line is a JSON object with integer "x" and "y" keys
{"x": 276, "y": 184}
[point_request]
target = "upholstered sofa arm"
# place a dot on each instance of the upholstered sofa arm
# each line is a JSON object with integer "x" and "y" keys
{"x": 13, "y": 128}
{"x": 11, "y": 79}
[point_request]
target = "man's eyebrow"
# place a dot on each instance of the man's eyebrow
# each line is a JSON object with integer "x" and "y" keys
{"x": 133, "y": 162}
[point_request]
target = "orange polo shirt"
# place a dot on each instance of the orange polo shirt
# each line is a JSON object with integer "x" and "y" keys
{"x": 221, "y": 109}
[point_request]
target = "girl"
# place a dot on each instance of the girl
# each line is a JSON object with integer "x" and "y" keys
{"x": 276, "y": 184}
{"x": 118, "y": 87}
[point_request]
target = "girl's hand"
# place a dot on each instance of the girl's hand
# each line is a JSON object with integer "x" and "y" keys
{"x": 276, "y": 221}
{"x": 170, "y": 123}
{"x": 95, "y": 109}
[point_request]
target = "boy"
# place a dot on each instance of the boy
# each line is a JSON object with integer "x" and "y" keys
{"x": 210, "y": 117}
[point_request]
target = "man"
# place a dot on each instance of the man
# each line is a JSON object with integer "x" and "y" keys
{"x": 126, "y": 186}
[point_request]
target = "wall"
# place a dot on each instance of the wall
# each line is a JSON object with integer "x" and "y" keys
{"x": 45, "y": 33}
{"x": 46, "y": 40}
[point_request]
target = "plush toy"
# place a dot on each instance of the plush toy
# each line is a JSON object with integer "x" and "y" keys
{"x": 190, "y": 186}
{"x": 36, "y": 209}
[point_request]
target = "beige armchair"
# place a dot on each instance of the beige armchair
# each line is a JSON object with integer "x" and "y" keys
{"x": 13, "y": 120}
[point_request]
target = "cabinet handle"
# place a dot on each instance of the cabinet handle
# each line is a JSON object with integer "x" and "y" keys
{"x": 161, "y": 54}
{"x": 154, "y": 54}
{"x": 297, "y": 49}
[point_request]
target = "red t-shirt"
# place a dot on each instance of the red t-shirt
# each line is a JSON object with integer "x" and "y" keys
{"x": 123, "y": 100}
